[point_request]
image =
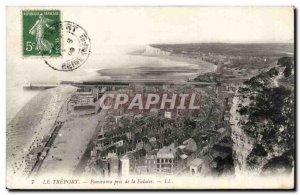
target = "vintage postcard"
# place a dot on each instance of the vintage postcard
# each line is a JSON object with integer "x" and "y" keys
{"x": 150, "y": 98}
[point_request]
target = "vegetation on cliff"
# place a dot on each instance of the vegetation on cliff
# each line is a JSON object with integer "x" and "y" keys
{"x": 270, "y": 117}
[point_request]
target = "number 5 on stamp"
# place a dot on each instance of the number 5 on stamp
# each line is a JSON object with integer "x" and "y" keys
{"x": 38, "y": 25}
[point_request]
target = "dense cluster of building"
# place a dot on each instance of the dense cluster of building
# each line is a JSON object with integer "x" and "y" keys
{"x": 148, "y": 142}
{"x": 145, "y": 159}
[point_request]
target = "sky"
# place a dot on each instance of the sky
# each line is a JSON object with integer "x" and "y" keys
{"x": 185, "y": 24}
{"x": 109, "y": 27}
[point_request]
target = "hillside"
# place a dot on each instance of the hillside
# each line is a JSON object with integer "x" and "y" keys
{"x": 238, "y": 56}
{"x": 263, "y": 120}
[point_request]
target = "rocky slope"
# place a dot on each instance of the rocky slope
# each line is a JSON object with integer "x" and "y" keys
{"x": 262, "y": 118}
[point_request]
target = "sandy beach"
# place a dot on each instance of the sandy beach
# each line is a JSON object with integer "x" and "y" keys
{"x": 33, "y": 122}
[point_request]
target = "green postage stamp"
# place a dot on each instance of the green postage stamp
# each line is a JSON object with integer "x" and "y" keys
{"x": 40, "y": 35}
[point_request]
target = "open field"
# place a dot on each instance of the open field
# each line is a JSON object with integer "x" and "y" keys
{"x": 70, "y": 144}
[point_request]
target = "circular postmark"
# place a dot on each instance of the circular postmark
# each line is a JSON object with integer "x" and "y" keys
{"x": 73, "y": 43}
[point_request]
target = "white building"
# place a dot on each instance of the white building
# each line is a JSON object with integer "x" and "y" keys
{"x": 125, "y": 166}
{"x": 196, "y": 166}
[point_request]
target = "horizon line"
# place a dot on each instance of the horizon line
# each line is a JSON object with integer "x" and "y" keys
{"x": 225, "y": 43}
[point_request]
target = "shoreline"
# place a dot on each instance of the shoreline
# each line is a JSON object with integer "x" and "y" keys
{"x": 33, "y": 122}
{"x": 192, "y": 61}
